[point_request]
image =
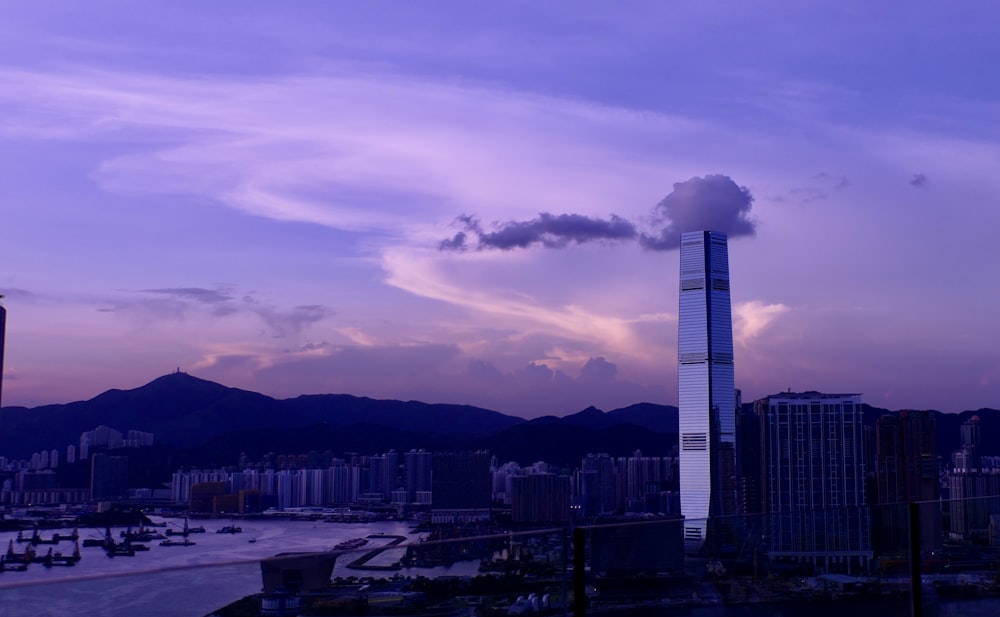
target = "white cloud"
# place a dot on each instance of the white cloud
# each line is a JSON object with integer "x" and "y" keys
{"x": 751, "y": 318}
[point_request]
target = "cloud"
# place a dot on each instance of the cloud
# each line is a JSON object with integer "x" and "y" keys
{"x": 199, "y": 294}
{"x": 548, "y": 230}
{"x": 712, "y": 202}
{"x": 918, "y": 180}
{"x": 753, "y": 317}
{"x": 292, "y": 321}
{"x": 598, "y": 370}
{"x": 182, "y": 303}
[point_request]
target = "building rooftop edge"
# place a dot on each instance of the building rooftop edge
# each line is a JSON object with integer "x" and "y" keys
{"x": 811, "y": 394}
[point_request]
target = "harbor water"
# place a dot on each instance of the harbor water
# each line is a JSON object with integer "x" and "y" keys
{"x": 180, "y": 581}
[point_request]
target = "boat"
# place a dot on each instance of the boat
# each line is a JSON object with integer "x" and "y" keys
{"x": 351, "y": 544}
{"x": 73, "y": 537}
{"x": 184, "y": 542}
{"x": 59, "y": 559}
{"x": 121, "y": 550}
{"x": 142, "y": 535}
{"x": 7, "y": 565}
{"x": 229, "y": 529}
{"x": 186, "y": 530}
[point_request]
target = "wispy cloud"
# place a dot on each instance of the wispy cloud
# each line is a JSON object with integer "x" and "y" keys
{"x": 417, "y": 272}
{"x": 323, "y": 148}
{"x": 198, "y": 294}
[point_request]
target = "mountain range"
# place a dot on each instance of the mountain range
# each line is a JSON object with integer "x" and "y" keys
{"x": 211, "y": 424}
{"x": 217, "y": 423}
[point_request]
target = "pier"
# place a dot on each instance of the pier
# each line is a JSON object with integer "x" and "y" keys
{"x": 361, "y": 562}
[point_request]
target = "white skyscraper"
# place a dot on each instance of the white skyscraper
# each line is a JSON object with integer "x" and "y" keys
{"x": 706, "y": 383}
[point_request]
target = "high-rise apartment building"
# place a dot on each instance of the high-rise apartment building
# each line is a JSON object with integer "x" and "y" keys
{"x": 706, "y": 384}
{"x": 973, "y": 487}
{"x": 813, "y": 479}
{"x": 907, "y": 472}
{"x": 461, "y": 486}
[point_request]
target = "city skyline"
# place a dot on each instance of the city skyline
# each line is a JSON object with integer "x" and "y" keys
{"x": 479, "y": 206}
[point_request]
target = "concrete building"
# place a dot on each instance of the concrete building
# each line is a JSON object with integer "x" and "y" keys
{"x": 461, "y": 486}
{"x": 541, "y": 498}
{"x": 907, "y": 472}
{"x": 973, "y": 487}
{"x": 108, "y": 476}
{"x": 814, "y": 480}
{"x": 706, "y": 384}
{"x": 417, "y": 467}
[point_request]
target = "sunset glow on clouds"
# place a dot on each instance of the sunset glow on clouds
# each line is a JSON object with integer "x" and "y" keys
{"x": 261, "y": 197}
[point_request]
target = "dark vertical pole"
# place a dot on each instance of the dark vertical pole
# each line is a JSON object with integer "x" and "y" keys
{"x": 3, "y": 333}
{"x": 579, "y": 574}
{"x": 916, "y": 604}
{"x": 565, "y": 564}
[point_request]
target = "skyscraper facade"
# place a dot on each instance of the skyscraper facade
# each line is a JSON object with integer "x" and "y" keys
{"x": 906, "y": 472}
{"x": 706, "y": 383}
{"x": 814, "y": 480}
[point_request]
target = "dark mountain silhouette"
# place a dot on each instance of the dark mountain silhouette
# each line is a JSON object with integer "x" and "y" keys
{"x": 657, "y": 418}
{"x": 208, "y": 423}
{"x": 199, "y": 420}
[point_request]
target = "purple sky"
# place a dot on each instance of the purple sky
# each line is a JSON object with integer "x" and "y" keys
{"x": 258, "y": 194}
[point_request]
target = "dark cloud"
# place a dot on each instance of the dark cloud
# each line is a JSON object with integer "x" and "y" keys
{"x": 918, "y": 180}
{"x": 455, "y": 243}
{"x": 548, "y": 230}
{"x": 536, "y": 373}
{"x": 481, "y": 369}
{"x": 820, "y": 186}
{"x": 598, "y": 370}
{"x": 18, "y": 293}
{"x": 181, "y": 302}
{"x": 199, "y": 294}
{"x": 713, "y": 202}
{"x": 285, "y": 322}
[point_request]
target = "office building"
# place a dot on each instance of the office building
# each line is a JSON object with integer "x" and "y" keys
{"x": 417, "y": 465}
{"x": 973, "y": 487}
{"x": 907, "y": 472}
{"x": 108, "y": 477}
{"x": 461, "y": 487}
{"x": 813, "y": 479}
{"x": 541, "y": 498}
{"x": 706, "y": 388}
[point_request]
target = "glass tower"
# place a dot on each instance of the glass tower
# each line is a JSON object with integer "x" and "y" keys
{"x": 706, "y": 388}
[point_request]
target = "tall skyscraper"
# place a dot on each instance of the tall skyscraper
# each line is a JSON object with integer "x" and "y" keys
{"x": 706, "y": 384}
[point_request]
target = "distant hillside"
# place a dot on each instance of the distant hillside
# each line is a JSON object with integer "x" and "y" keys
{"x": 213, "y": 424}
{"x": 210, "y": 422}
{"x": 184, "y": 411}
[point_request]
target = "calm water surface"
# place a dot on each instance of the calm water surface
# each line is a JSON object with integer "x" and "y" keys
{"x": 193, "y": 581}
{"x": 182, "y": 580}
